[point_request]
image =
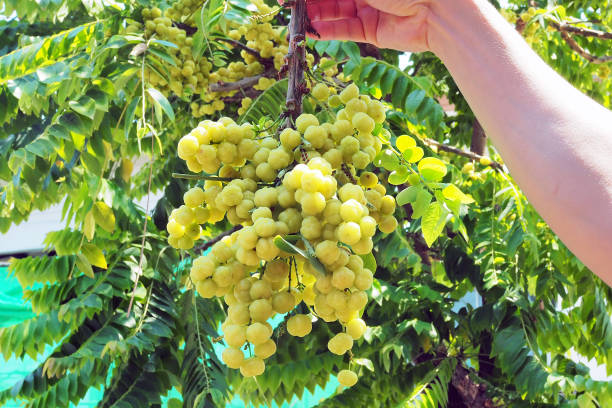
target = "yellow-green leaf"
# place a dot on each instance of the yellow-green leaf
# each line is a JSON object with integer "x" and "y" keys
{"x": 413, "y": 154}
{"x": 94, "y": 255}
{"x": 84, "y": 266}
{"x": 405, "y": 142}
{"x": 89, "y": 226}
{"x": 104, "y": 216}
{"x": 453, "y": 193}
{"x": 433, "y": 222}
{"x": 432, "y": 169}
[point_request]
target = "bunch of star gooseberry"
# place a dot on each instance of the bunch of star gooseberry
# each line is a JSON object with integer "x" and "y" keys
{"x": 192, "y": 75}
{"x": 310, "y": 183}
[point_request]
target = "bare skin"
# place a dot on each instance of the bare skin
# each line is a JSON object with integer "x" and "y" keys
{"x": 555, "y": 140}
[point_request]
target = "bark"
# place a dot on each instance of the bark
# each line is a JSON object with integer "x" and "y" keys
{"x": 474, "y": 395}
{"x": 479, "y": 139}
{"x": 295, "y": 61}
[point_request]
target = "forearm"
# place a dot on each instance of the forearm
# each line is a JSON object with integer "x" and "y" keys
{"x": 556, "y": 141}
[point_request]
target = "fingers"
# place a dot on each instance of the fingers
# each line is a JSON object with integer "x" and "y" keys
{"x": 328, "y": 10}
{"x": 400, "y": 8}
{"x": 349, "y": 29}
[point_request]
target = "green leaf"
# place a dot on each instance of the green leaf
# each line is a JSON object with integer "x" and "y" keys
{"x": 284, "y": 245}
{"x": 413, "y": 154}
{"x": 399, "y": 176}
{"x": 453, "y": 193}
{"x": 432, "y": 169}
{"x": 104, "y": 216}
{"x": 85, "y": 105}
{"x": 408, "y": 195}
{"x": 433, "y": 223}
{"x": 421, "y": 204}
{"x": 369, "y": 262}
{"x": 84, "y": 266}
{"x": 129, "y": 115}
{"x": 352, "y": 50}
{"x": 94, "y": 255}
{"x": 46, "y": 52}
{"x": 364, "y": 362}
{"x": 89, "y": 226}
{"x": 161, "y": 102}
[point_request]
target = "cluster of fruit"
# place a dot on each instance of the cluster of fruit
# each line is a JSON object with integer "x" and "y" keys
{"x": 190, "y": 74}
{"x": 308, "y": 185}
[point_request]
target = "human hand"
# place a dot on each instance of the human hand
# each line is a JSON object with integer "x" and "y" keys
{"x": 398, "y": 24}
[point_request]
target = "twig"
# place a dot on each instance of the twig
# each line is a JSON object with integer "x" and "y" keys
{"x": 218, "y": 238}
{"x": 584, "y": 32}
{"x": 472, "y": 393}
{"x": 240, "y": 45}
{"x": 198, "y": 177}
{"x": 146, "y": 221}
{"x": 234, "y": 86}
{"x": 454, "y": 150}
{"x": 584, "y": 53}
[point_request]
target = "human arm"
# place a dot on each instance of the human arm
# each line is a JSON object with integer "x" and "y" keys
{"x": 556, "y": 141}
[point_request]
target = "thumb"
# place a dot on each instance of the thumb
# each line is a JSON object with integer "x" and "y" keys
{"x": 400, "y": 8}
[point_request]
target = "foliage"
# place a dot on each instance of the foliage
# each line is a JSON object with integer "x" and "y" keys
{"x": 82, "y": 128}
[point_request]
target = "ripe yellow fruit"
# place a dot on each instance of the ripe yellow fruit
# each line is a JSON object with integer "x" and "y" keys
{"x": 304, "y": 121}
{"x": 235, "y": 335}
{"x": 232, "y": 357}
{"x": 320, "y": 92}
{"x": 261, "y": 310}
{"x": 349, "y": 233}
{"x": 184, "y": 215}
{"x": 352, "y": 211}
{"x": 347, "y": 378}
{"x": 283, "y": 302}
{"x": 340, "y": 343}
{"x": 252, "y": 367}
{"x": 290, "y": 138}
{"x": 343, "y": 278}
{"x": 356, "y": 328}
{"x": 299, "y": 325}
{"x": 257, "y": 333}
{"x": 188, "y": 146}
{"x": 265, "y": 349}
{"x": 175, "y": 229}
{"x": 348, "y": 93}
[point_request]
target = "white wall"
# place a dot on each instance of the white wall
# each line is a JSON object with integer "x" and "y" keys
{"x": 29, "y": 236}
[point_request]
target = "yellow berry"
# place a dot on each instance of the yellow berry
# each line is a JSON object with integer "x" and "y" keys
{"x": 347, "y": 378}
{"x": 299, "y": 325}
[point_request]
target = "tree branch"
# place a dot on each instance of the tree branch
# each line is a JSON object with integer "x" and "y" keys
{"x": 240, "y": 45}
{"x": 218, "y": 238}
{"x": 295, "y": 61}
{"x": 584, "y": 53}
{"x": 479, "y": 139}
{"x": 474, "y": 395}
{"x": 234, "y": 86}
{"x": 585, "y": 32}
{"x": 460, "y": 152}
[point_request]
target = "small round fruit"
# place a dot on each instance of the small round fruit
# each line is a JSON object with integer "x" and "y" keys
{"x": 257, "y": 333}
{"x": 299, "y": 325}
{"x": 304, "y": 121}
{"x": 349, "y": 233}
{"x": 235, "y": 335}
{"x": 188, "y": 146}
{"x": 355, "y": 328}
{"x": 347, "y": 378}
{"x": 232, "y": 357}
{"x": 265, "y": 349}
{"x": 320, "y": 92}
{"x": 252, "y": 367}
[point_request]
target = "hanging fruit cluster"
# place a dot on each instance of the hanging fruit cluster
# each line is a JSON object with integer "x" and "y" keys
{"x": 308, "y": 208}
